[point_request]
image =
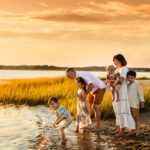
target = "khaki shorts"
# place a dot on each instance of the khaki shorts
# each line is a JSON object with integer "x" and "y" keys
{"x": 66, "y": 122}
{"x": 135, "y": 112}
{"x": 97, "y": 97}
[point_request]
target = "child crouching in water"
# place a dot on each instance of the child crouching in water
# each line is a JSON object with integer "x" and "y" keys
{"x": 82, "y": 116}
{"x": 113, "y": 79}
{"x": 136, "y": 98}
{"x": 64, "y": 118}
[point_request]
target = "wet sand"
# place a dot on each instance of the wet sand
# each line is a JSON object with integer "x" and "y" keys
{"x": 30, "y": 128}
{"x": 104, "y": 140}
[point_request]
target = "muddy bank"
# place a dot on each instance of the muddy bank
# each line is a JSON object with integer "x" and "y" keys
{"x": 103, "y": 140}
{"x": 30, "y": 128}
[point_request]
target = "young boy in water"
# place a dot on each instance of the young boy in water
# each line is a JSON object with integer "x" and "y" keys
{"x": 136, "y": 98}
{"x": 64, "y": 118}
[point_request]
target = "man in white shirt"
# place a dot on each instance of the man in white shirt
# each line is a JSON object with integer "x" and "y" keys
{"x": 95, "y": 90}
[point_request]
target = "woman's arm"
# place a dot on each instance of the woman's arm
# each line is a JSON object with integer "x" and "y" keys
{"x": 116, "y": 81}
{"x": 121, "y": 79}
{"x": 123, "y": 74}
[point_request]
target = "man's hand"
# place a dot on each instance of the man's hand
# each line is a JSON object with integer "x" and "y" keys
{"x": 89, "y": 88}
{"x": 142, "y": 105}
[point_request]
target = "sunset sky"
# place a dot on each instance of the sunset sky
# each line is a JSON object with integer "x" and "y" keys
{"x": 74, "y": 32}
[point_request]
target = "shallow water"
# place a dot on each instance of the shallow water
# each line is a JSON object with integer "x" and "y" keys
{"x": 30, "y": 128}
{"x": 19, "y": 74}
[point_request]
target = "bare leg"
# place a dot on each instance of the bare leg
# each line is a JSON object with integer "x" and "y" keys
{"x": 113, "y": 93}
{"x": 97, "y": 116}
{"x": 117, "y": 130}
{"x": 137, "y": 122}
{"x": 136, "y": 117}
{"x": 98, "y": 95}
{"x": 62, "y": 134}
{"x": 90, "y": 104}
{"x": 121, "y": 133}
{"x": 117, "y": 91}
{"x": 77, "y": 124}
{"x": 90, "y": 112}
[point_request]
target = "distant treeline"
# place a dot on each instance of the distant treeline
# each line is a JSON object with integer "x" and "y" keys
{"x": 55, "y": 68}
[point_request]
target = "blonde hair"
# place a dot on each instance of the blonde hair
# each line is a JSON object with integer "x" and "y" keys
{"x": 110, "y": 67}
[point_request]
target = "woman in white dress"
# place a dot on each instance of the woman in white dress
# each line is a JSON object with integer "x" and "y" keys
{"x": 121, "y": 107}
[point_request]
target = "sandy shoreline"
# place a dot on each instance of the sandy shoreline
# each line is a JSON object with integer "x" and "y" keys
{"x": 103, "y": 140}
{"x": 33, "y": 125}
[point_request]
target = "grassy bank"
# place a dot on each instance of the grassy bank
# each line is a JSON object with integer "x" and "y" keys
{"x": 37, "y": 91}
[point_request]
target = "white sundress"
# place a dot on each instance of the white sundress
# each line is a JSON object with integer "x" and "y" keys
{"x": 82, "y": 112}
{"x": 121, "y": 108}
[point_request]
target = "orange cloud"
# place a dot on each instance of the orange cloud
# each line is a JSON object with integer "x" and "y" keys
{"x": 74, "y": 17}
{"x": 84, "y": 26}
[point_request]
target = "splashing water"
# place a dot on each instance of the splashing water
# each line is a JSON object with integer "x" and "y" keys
{"x": 30, "y": 128}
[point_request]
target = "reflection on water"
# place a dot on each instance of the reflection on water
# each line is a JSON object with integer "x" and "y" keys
{"x": 30, "y": 128}
{"x": 17, "y": 127}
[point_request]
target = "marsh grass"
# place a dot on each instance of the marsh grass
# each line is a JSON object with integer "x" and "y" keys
{"x": 37, "y": 91}
{"x": 147, "y": 99}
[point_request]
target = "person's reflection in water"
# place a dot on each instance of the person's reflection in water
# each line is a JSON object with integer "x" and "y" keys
{"x": 63, "y": 146}
{"x": 97, "y": 141}
{"x": 84, "y": 141}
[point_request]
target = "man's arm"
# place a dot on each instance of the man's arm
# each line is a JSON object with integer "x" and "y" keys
{"x": 89, "y": 88}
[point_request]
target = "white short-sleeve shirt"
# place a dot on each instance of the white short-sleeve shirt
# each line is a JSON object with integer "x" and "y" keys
{"x": 135, "y": 95}
{"x": 63, "y": 112}
{"x": 90, "y": 78}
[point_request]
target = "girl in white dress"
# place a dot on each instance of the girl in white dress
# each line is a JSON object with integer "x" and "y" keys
{"x": 121, "y": 107}
{"x": 82, "y": 116}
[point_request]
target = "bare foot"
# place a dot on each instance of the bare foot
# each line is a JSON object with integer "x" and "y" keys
{"x": 44, "y": 142}
{"x": 132, "y": 132}
{"x": 117, "y": 131}
{"x": 63, "y": 141}
{"x": 117, "y": 100}
{"x": 96, "y": 130}
{"x": 138, "y": 133}
{"x": 90, "y": 127}
{"x": 77, "y": 131}
{"x": 120, "y": 134}
{"x": 85, "y": 129}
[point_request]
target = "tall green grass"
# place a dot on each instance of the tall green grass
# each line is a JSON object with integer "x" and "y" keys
{"x": 37, "y": 91}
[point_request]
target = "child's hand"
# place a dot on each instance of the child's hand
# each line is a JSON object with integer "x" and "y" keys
{"x": 142, "y": 105}
{"x": 54, "y": 124}
{"x": 79, "y": 96}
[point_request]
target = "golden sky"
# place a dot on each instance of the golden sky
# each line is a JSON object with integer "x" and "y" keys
{"x": 74, "y": 32}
